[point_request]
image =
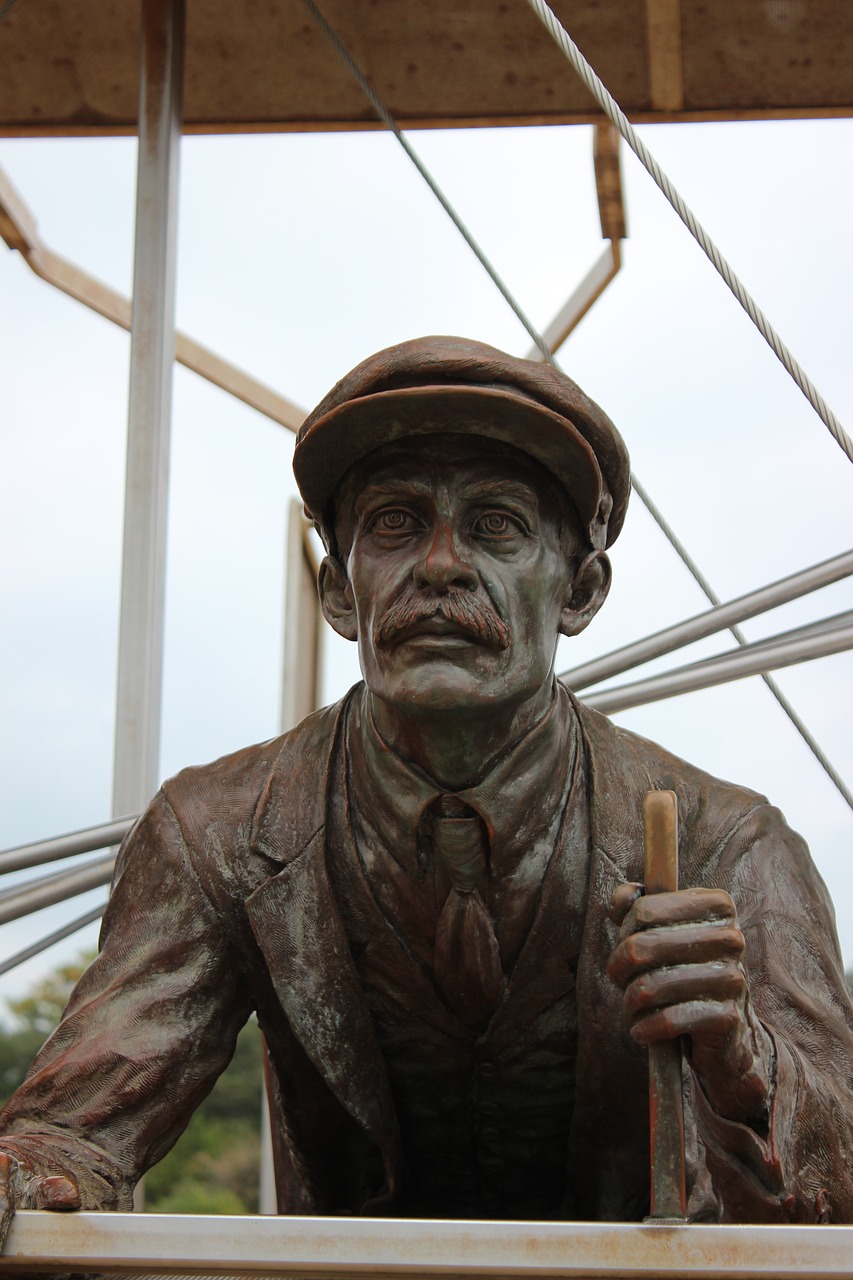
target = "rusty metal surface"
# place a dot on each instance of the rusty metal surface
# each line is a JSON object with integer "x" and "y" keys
{"x": 290, "y": 1246}
{"x": 69, "y": 66}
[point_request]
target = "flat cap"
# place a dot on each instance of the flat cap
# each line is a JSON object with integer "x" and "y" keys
{"x": 457, "y": 386}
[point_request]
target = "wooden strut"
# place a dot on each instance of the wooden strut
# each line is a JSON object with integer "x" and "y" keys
{"x": 666, "y": 1104}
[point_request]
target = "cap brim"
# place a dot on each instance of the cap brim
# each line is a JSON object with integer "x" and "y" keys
{"x": 353, "y": 430}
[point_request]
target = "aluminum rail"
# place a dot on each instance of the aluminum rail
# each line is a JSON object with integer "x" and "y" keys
{"x": 46, "y": 891}
{"x": 342, "y": 1247}
{"x": 766, "y": 655}
{"x": 710, "y": 621}
{"x": 58, "y": 935}
{"x": 820, "y": 628}
{"x": 85, "y": 841}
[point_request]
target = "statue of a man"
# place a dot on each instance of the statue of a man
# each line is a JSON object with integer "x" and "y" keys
{"x": 429, "y": 892}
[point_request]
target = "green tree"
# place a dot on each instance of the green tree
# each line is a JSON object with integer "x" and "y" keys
{"x": 33, "y": 1017}
{"x": 213, "y": 1168}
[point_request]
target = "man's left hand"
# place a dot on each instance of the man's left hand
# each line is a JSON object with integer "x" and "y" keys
{"x": 678, "y": 961}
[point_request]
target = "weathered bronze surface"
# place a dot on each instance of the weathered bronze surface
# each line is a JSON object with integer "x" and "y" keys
{"x": 431, "y": 891}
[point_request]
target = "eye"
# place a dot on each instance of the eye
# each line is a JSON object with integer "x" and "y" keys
{"x": 393, "y": 520}
{"x": 497, "y": 524}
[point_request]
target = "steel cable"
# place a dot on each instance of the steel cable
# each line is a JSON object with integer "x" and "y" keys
{"x": 615, "y": 114}
{"x": 385, "y": 115}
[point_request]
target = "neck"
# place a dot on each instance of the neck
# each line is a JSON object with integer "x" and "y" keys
{"x": 456, "y": 748}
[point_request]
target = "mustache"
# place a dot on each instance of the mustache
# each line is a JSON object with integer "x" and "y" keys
{"x": 472, "y": 614}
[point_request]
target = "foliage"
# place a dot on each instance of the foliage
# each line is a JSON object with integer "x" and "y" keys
{"x": 213, "y": 1168}
{"x": 44, "y": 1004}
{"x": 34, "y": 1017}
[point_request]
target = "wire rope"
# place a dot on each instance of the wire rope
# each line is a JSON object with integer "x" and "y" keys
{"x": 385, "y": 115}
{"x": 615, "y": 114}
{"x": 541, "y": 345}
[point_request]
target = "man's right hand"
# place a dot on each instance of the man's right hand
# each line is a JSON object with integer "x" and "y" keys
{"x": 20, "y": 1191}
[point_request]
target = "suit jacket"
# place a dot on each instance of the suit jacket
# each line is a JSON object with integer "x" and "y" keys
{"x": 222, "y": 904}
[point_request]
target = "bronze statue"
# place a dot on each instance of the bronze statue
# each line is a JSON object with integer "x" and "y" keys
{"x": 430, "y": 891}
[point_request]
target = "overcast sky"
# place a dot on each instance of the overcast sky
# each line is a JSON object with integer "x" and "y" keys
{"x": 298, "y": 256}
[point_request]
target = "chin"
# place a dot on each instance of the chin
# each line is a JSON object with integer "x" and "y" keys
{"x": 436, "y": 686}
{"x": 443, "y": 689}
{"x": 439, "y": 696}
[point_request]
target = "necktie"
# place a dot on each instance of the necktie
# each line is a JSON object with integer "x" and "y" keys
{"x": 467, "y": 960}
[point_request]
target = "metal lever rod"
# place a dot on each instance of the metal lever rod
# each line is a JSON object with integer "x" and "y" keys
{"x": 666, "y": 1106}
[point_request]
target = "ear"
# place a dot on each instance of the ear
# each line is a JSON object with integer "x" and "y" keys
{"x": 336, "y": 599}
{"x": 589, "y": 591}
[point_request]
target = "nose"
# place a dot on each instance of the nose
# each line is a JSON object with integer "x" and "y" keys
{"x": 442, "y": 566}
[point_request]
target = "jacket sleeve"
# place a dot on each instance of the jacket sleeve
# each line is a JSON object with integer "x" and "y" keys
{"x": 149, "y": 1028}
{"x": 800, "y": 1166}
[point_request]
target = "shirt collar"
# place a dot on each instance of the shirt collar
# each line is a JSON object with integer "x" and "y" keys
{"x": 517, "y": 799}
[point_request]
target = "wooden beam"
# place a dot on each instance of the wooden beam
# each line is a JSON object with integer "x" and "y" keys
{"x": 19, "y": 229}
{"x": 581, "y": 300}
{"x": 608, "y": 181}
{"x": 666, "y": 69}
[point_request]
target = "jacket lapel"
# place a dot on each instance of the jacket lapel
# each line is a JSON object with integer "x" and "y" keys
{"x": 609, "y": 1143}
{"x": 297, "y": 926}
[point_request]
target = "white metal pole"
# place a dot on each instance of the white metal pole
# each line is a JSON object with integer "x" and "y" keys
{"x": 785, "y": 650}
{"x": 302, "y": 674}
{"x": 137, "y": 736}
{"x": 301, "y": 693}
{"x": 720, "y": 618}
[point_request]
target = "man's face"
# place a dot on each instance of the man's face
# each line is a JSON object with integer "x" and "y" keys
{"x": 459, "y": 567}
